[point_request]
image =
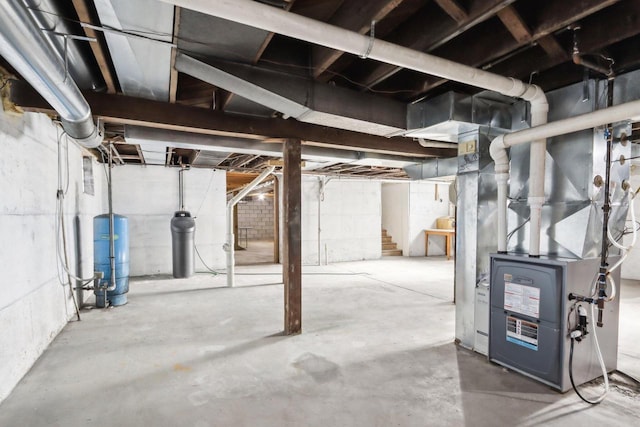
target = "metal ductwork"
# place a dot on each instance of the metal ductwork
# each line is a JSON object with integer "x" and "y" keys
{"x": 156, "y": 139}
{"x": 433, "y": 168}
{"x": 24, "y": 46}
{"x": 58, "y": 31}
{"x": 300, "y": 97}
{"x": 451, "y": 114}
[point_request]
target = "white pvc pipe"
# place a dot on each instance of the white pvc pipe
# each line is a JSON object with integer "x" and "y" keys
{"x": 502, "y": 180}
{"x": 279, "y": 21}
{"x": 561, "y": 127}
{"x": 229, "y": 246}
{"x": 537, "y": 157}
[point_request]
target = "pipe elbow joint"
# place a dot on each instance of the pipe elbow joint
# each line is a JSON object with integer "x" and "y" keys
{"x": 93, "y": 140}
{"x": 498, "y": 151}
{"x": 84, "y": 131}
{"x": 538, "y": 99}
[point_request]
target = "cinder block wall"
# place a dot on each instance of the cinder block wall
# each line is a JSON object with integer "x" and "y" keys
{"x": 258, "y": 216}
{"x": 34, "y": 304}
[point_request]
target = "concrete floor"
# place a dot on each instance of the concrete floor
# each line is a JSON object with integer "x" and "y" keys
{"x": 256, "y": 252}
{"x": 376, "y": 350}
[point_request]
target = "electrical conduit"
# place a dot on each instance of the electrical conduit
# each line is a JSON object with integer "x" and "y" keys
{"x": 229, "y": 246}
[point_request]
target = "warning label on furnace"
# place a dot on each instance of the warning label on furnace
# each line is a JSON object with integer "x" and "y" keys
{"x": 522, "y": 333}
{"x": 522, "y": 299}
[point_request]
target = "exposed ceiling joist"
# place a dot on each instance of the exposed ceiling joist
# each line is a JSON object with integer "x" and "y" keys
{"x": 551, "y": 46}
{"x": 426, "y": 32}
{"x": 558, "y": 16}
{"x": 355, "y": 16}
{"x": 595, "y": 34}
{"x": 82, "y": 10}
{"x": 137, "y": 111}
{"x": 515, "y": 24}
{"x": 454, "y": 10}
{"x": 269, "y": 36}
{"x": 226, "y": 98}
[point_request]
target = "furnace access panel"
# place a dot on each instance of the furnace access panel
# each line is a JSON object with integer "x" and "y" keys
{"x": 528, "y": 329}
{"x": 526, "y": 313}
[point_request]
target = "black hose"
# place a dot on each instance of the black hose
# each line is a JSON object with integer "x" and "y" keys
{"x": 573, "y": 384}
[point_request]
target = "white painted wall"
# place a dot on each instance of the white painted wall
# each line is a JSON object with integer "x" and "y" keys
{"x": 148, "y": 196}
{"x": 34, "y": 306}
{"x": 409, "y": 208}
{"x": 395, "y": 213}
{"x": 425, "y": 206}
{"x": 630, "y": 268}
{"x": 350, "y": 219}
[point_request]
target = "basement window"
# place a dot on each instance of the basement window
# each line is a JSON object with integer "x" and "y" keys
{"x": 87, "y": 176}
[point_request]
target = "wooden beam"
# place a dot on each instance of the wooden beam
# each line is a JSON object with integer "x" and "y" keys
{"x": 595, "y": 35}
{"x": 140, "y": 155}
{"x": 355, "y": 16}
{"x": 115, "y": 152}
{"x": 454, "y": 10}
{"x": 173, "y": 77}
{"x": 515, "y": 24}
{"x": 292, "y": 239}
{"x": 82, "y": 9}
{"x": 229, "y": 95}
{"x": 236, "y": 244}
{"x": 143, "y": 112}
{"x": 194, "y": 156}
{"x": 551, "y": 46}
{"x": 485, "y": 50}
{"x": 267, "y": 39}
{"x": 169, "y": 156}
{"x": 427, "y": 31}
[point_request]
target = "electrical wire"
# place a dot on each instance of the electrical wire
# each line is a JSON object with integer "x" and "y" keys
{"x": 60, "y": 234}
{"x": 625, "y": 249}
{"x": 206, "y": 193}
{"x": 155, "y": 36}
{"x": 510, "y": 235}
{"x": 600, "y": 361}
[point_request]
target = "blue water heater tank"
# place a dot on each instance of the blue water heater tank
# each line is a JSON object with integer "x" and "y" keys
{"x": 101, "y": 257}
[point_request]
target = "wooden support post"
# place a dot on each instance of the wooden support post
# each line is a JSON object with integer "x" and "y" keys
{"x": 292, "y": 262}
{"x": 236, "y": 245}
{"x": 276, "y": 219}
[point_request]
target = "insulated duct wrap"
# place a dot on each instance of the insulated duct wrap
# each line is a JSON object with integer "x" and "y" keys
{"x": 24, "y": 46}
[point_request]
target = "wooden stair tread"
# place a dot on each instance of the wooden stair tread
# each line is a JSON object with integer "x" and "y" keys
{"x": 389, "y": 248}
{"x": 391, "y": 252}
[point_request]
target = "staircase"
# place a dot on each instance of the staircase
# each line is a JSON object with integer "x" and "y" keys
{"x": 388, "y": 247}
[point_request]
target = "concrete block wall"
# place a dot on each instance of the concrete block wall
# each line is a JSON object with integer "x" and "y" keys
{"x": 258, "y": 216}
{"x": 34, "y": 306}
{"x": 350, "y": 220}
{"x": 149, "y": 197}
